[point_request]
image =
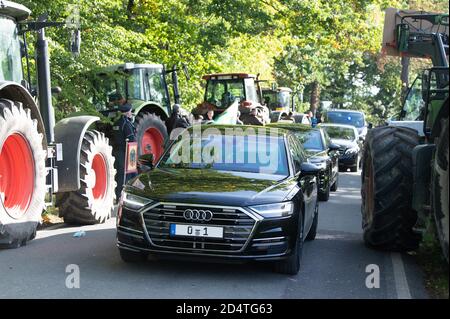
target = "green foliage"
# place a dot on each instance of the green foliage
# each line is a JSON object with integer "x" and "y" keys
{"x": 295, "y": 42}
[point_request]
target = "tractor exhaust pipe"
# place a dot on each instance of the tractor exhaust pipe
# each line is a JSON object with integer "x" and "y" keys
{"x": 176, "y": 92}
{"x": 44, "y": 85}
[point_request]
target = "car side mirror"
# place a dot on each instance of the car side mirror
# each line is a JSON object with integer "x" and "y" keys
{"x": 309, "y": 169}
{"x": 370, "y": 126}
{"x": 333, "y": 147}
{"x": 146, "y": 160}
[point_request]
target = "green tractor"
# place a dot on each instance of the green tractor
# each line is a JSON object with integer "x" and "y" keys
{"x": 406, "y": 163}
{"x": 145, "y": 87}
{"x": 38, "y": 157}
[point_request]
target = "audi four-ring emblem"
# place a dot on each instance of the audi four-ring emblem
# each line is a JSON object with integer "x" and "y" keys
{"x": 198, "y": 215}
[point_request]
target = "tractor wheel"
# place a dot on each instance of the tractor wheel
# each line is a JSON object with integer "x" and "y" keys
{"x": 93, "y": 203}
{"x": 22, "y": 175}
{"x": 440, "y": 188}
{"x": 387, "y": 216}
{"x": 151, "y": 134}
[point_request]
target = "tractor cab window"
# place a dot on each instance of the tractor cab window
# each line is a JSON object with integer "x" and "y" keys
{"x": 270, "y": 99}
{"x": 108, "y": 88}
{"x": 155, "y": 86}
{"x": 250, "y": 90}
{"x": 414, "y": 105}
{"x": 224, "y": 93}
{"x": 136, "y": 88}
{"x": 284, "y": 100}
{"x": 10, "y": 56}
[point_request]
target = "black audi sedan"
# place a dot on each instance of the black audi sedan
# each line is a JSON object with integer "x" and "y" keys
{"x": 350, "y": 145}
{"x": 321, "y": 151}
{"x": 228, "y": 192}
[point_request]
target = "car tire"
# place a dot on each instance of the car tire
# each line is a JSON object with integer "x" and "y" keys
{"x": 313, "y": 231}
{"x": 291, "y": 265}
{"x": 335, "y": 185}
{"x": 354, "y": 169}
{"x": 439, "y": 194}
{"x": 325, "y": 196}
{"x": 129, "y": 256}
{"x": 22, "y": 175}
{"x": 387, "y": 180}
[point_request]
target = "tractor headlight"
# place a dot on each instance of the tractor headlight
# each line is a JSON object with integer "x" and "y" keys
{"x": 274, "y": 210}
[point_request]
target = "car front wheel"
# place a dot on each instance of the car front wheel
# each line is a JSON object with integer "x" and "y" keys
{"x": 291, "y": 265}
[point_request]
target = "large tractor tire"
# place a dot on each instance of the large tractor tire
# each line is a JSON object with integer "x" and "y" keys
{"x": 440, "y": 188}
{"x": 22, "y": 175}
{"x": 93, "y": 203}
{"x": 151, "y": 134}
{"x": 387, "y": 179}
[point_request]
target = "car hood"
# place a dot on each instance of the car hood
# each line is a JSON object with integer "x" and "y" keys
{"x": 344, "y": 143}
{"x": 317, "y": 156}
{"x": 206, "y": 186}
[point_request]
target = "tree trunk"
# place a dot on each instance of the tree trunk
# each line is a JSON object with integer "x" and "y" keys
{"x": 130, "y": 8}
{"x": 405, "y": 76}
{"x": 315, "y": 97}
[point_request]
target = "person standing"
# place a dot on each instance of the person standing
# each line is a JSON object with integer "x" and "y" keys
{"x": 124, "y": 132}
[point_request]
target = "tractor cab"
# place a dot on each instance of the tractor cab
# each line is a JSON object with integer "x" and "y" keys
{"x": 279, "y": 99}
{"x": 229, "y": 94}
{"x": 136, "y": 83}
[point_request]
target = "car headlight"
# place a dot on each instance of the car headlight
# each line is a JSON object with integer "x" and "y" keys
{"x": 274, "y": 210}
{"x": 320, "y": 164}
{"x": 352, "y": 150}
{"x": 134, "y": 202}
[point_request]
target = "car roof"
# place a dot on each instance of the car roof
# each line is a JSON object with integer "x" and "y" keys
{"x": 266, "y": 130}
{"x": 294, "y": 126}
{"x": 336, "y": 124}
{"x": 344, "y": 111}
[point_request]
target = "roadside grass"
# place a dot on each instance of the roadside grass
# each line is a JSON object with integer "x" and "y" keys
{"x": 50, "y": 217}
{"x": 435, "y": 268}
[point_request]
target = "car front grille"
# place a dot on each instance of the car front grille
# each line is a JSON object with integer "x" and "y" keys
{"x": 342, "y": 151}
{"x": 237, "y": 223}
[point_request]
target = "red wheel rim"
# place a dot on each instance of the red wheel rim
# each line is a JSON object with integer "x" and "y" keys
{"x": 16, "y": 175}
{"x": 101, "y": 179}
{"x": 152, "y": 142}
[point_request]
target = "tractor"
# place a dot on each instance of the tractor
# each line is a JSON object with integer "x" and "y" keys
{"x": 145, "y": 87}
{"x": 281, "y": 103}
{"x": 405, "y": 170}
{"x": 231, "y": 98}
{"x": 38, "y": 158}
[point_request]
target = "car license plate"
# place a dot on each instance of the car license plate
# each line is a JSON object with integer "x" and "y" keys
{"x": 196, "y": 231}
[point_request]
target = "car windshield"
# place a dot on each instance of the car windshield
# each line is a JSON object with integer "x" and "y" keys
{"x": 338, "y": 132}
{"x": 311, "y": 140}
{"x": 249, "y": 153}
{"x": 350, "y": 118}
{"x": 10, "y": 57}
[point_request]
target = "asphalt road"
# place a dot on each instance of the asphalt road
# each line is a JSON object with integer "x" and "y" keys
{"x": 334, "y": 266}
